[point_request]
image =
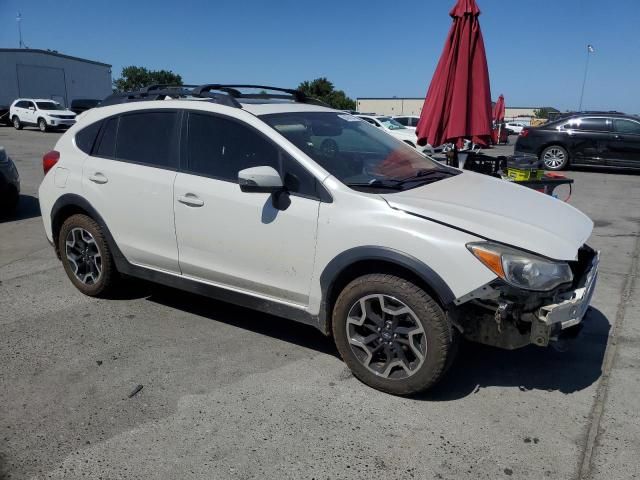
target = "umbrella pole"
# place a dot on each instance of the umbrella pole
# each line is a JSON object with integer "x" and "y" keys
{"x": 452, "y": 156}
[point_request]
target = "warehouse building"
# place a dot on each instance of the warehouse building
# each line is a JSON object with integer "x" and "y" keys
{"x": 413, "y": 106}
{"x": 46, "y": 74}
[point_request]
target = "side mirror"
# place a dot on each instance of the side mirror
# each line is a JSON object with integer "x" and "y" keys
{"x": 260, "y": 179}
{"x": 32, "y": 109}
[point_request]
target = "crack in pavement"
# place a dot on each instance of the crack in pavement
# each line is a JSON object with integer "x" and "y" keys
{"x": 585, "y": 465}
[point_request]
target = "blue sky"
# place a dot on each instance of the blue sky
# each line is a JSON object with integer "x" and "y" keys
{"x": 536, "y": 49}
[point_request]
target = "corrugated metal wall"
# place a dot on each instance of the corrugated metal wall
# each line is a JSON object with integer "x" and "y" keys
{"x": 27, "y": 73}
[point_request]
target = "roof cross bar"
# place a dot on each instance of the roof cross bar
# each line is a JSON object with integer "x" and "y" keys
{"x": 296, "y": 95}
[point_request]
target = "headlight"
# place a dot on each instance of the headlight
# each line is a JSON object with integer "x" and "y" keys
{"x": 521, "y": 269}
{"x": 55, "y": 116}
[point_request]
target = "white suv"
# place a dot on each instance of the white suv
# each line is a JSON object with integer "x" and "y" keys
{"x": 41, "y": 112}
{"x": 312, "y": 214}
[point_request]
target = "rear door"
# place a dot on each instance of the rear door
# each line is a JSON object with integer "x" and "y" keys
{"x": 129, "y": 177}
{"x": 625, "y": 145}
{"x": 589, "y": 139}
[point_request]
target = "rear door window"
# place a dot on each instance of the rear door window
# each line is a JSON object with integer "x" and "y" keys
{"x": 626, "y": 126}
{"x": 149, "y": 138}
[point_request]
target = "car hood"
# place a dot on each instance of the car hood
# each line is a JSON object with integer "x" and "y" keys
{"x": 500, "y": 211}
{"x": 58, "y": 112}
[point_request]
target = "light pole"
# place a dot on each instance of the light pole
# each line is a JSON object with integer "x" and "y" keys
{"x": 19, "y": 20}
{"x": 590, "y": 50}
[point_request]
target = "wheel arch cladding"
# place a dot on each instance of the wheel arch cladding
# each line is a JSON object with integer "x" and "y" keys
{"x": 359, "y": 261}
{"x": 72, "y": 204}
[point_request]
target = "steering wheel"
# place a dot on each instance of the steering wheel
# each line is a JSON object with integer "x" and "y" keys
{"x": 329, "y": 148}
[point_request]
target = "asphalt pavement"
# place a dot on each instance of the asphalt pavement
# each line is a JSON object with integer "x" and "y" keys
{"x": 228, "y": 393}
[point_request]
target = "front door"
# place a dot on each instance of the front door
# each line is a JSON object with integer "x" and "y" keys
{"x": 30, "y": 113}
{"x": 625, "y": 143}
{"x": 128, "y": 178}
{"x": 242, "y": 240}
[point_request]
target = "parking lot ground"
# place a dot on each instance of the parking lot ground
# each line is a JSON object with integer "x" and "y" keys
{"x": 229, "y": 393}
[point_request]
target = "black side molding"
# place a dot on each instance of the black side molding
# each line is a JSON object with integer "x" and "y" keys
{"x": 126, "y": 268}
{"x": 343, "y": 261}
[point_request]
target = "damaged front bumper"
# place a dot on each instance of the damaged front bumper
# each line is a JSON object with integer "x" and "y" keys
{"x": 505, "y": 317}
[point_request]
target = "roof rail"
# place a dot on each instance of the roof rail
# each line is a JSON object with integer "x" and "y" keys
{"x": 161, "y": 92}
{"x": 230, "y": 96}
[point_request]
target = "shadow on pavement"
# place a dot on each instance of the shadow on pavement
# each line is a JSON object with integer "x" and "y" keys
{"x": 28, "y": 207}
{"x": 477, "y": 366}
{"x": 262, "y": 323}
{"x": 4, "y": 468}
{"x": 530, "y": 368}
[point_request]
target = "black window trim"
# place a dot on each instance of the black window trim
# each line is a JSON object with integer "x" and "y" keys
{"x": 176, "y": 134}
{"x": 322, "y": 194}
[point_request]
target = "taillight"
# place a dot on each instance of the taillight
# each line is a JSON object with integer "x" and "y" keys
{"x": 524, "y": 132}
{"x": 49, "y": 160}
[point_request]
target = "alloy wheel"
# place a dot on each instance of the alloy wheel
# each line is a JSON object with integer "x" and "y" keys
{"x": 554, "y": 158}
{"x": 386, "y": 336}
{"x": 83, "y": 255}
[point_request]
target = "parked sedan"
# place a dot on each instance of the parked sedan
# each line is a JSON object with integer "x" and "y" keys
{"x": 409, "y": 121}
{"x": 584, "y": 139}
{"x": 393, "y": 128}
{"x": 514, "y": 127}
{"x": 9, "y": 184}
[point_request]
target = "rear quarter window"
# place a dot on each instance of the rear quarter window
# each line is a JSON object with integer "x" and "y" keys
{"x": 86, "y": 138}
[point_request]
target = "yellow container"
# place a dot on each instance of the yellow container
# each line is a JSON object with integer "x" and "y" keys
{"x": 520, "y": 175}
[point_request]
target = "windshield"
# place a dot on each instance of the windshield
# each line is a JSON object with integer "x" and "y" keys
{"x": 390, "y": 123}
{"x": 358, "y": 154}
{"x": 49, "y": 106}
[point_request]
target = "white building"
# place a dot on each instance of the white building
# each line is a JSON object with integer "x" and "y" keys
{"x": 46, "y": 74}
{"x": 413, "y": 106}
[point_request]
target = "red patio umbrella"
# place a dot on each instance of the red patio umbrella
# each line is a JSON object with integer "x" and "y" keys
{"x": 458, "y": 103}
{"x": 498, "y": 110}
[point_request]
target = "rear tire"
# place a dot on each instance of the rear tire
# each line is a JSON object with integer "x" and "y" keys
{"x": 555, "y": 158}
{"x": 86, "y": 256}
{"x": 17, "y": 124}
{"x": 392, "y": 335}
{"x": 42, "y": 125}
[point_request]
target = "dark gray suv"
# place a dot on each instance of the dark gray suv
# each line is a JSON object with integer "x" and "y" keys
{"x": 9, "y": 184}
{"x": 587, "y": 138}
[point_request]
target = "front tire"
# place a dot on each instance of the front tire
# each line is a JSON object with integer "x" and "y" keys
{"x": 17, "y": 124}
{"x": 392, "y": 335}
{"x": 555, "y": 158}
{"x": 42, "y": 125}
{"x": 86, "y": 256}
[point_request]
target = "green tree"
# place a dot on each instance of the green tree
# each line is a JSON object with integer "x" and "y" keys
{"x": 323, "y": 89}
{"x": 543, "y": 112}
{"x": 134, "y": 78}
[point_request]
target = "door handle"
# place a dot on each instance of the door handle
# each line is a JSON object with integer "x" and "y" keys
{"x": 98, "y": 178}
{"x": 191, "y": 200}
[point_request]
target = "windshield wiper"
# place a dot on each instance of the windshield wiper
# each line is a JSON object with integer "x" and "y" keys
{"x": 377, "y": 183}
{"x": 427, "y": 176}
